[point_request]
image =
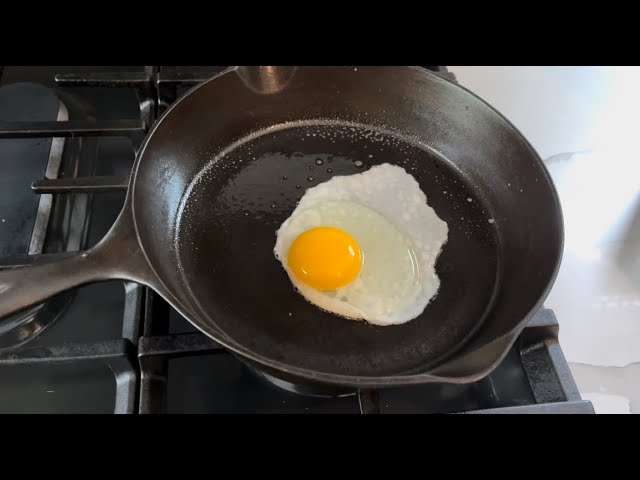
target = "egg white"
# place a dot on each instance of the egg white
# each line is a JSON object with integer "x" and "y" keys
{"x": 399, "y": 234}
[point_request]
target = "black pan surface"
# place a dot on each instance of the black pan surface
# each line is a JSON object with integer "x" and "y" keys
{"x": 227, "y": 232}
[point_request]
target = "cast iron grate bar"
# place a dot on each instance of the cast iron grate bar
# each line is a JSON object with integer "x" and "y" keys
{"x": 143, "y": 83}
{"x": 369, "y": 401}
{"x": 132, "y": 315}
{"x": 185, "y": 78}
{"x": 577, "y": 407}
{"x": 563, "y": 373}
{"x": 156, "y": 314}
{"x": 80, "y": 184}
{"x": 154, "y": 371}
{"x": 153, "y": 355}
{"x": 540, "y": 352}
{"x": 113, "y": 128}
{"x": 154, "y": 87}
{"x": 66, "y": 352}
{"x": 103, "y": 79}
{"x": 117, "y": 354}
{"x": 179, "y": 345}
{"x": 181, "y": 77}
{"x": 542, "y": 325}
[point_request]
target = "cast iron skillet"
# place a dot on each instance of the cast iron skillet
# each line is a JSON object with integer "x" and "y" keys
{"x": 226, "y": 165}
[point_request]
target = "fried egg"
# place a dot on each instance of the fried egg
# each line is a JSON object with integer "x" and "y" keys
{"x": 364, "y": 246}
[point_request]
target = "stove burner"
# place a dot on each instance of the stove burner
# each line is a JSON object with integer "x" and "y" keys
{"x": 320, "y": 391}
{"x": 33, "y": 225}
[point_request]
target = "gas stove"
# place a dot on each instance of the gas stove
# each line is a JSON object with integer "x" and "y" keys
{"x": 68, "y": 139}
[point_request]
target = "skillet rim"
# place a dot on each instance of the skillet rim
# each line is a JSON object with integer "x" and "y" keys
{"x": 340, "y": 379}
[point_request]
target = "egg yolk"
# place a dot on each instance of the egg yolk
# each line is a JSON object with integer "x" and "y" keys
{"x": 325, "y": 258}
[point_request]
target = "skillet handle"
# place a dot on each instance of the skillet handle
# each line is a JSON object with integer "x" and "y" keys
{"x": 117, "y": 256}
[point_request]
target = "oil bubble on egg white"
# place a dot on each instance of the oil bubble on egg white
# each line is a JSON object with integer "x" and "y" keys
{"x": 399, "y": 234}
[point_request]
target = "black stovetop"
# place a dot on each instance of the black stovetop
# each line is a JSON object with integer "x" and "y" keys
{"x": 118, "y": 347}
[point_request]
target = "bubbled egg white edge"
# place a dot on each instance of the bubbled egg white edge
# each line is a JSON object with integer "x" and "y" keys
{"x": 340, "y": 188}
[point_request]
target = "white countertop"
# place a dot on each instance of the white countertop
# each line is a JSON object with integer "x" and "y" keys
{"x": 583, "y": 121}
